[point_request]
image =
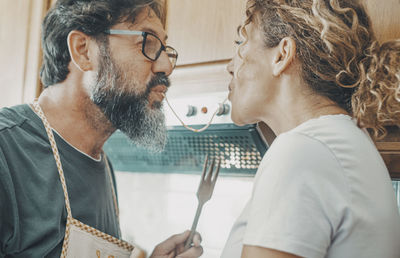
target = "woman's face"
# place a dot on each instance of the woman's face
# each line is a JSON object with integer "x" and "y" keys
{"x": 252, "y": 90}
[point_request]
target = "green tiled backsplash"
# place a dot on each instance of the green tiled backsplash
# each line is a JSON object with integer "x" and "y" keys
{"x": 240, "y": 150}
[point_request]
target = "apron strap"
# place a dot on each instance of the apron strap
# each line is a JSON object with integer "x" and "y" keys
{"x": 56, "y": 155}
{"x": 54, "y": 148}
{"x": 113, "y": 191}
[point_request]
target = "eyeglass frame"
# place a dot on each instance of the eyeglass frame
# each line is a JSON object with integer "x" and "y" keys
{"x": 144, "y": 35}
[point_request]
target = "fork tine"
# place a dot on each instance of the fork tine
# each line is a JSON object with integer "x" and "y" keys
{"x": 204, "y": 168}
{"x": 216, "y": 172}
{"x": 210, "y": 172}
{"x": 204, "y": 193}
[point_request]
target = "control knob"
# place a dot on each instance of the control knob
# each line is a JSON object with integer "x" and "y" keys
{"x": 191, "y": 111}
{"x": 223, "y": 109}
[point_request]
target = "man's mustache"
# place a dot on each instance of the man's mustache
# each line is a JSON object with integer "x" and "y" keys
{"x": 158, "y": 79}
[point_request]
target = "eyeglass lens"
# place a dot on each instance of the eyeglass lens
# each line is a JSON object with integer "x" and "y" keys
{"x": 152, "y": 48}
{"x": 172, "y": 55}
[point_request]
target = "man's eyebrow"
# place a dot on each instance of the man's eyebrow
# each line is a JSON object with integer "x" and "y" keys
{"x": 146, "y": 29}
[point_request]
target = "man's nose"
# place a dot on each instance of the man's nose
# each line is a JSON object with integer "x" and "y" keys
{"x": 162, "y": 64}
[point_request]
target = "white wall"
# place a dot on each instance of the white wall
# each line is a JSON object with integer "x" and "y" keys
{"x": 155, "y": 206}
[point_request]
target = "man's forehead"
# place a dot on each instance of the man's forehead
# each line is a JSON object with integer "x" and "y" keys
{"x": 156, "y": 30}
{"x": 147, "y": 21}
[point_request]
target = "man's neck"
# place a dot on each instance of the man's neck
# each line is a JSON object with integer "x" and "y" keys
{"x": 76, "y": 118}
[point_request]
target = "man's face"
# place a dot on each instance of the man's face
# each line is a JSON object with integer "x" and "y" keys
{"x": 129, "y": 86}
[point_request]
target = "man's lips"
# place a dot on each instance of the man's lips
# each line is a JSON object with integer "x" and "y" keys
{"x": 160, "y": 89}
{"x": 157, "y": 93}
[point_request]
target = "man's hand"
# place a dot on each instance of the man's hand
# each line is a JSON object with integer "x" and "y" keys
{"x": 174, "y": 247}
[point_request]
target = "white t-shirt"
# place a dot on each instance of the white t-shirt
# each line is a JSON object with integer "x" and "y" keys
{"x": 321, "y": 190}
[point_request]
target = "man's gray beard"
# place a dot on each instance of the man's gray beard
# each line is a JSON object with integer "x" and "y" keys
{"x": 127, "y": 111}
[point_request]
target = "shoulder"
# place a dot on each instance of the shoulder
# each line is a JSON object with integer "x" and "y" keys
{"x": 297, "y": 151}
{"x": 326, "y": 142}
{"x": 21, "y": 133}
{"x": 299, "y": 195}
{"x": 13, "y": 117}
{"x": 300, "y": 158}
{"x": 339, "y": 133}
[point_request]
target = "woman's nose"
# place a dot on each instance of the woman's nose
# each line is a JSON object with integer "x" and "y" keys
{"x": 229, "y": 67}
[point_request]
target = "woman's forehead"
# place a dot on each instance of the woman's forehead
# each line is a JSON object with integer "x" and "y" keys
{"x": 247, "y": 28}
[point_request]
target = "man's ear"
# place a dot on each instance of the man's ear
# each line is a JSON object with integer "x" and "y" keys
{"x": 78, "y": 46}
{"x": 284, "y": 56}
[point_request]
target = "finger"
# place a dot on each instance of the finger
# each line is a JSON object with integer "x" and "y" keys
{"x": 192, "y": 252}
{"x": 172, "y": 242}
{"x": 180, "y": 248}
{"x": 197, "y": 240}
{"x": 177, "y": 239}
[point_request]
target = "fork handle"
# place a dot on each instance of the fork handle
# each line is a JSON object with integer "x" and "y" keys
{"x": 194, "y": 225}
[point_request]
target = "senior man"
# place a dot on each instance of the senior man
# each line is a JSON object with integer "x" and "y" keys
{"x": 105, "y": 67}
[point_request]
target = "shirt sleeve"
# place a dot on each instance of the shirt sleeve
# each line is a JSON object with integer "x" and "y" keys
{"x": 8, "y": 208}
{"x": 298, "y": 198}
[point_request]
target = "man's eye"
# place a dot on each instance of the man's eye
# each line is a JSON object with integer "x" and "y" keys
{"x": 238, "y": 42}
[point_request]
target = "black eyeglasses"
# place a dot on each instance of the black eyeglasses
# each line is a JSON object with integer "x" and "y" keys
{"x": 151, "y": 46}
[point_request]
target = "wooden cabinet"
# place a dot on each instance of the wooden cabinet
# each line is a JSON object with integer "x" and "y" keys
{"x": 389, "y": 147}
{"x": 20, "y": 54}
{"x": 203, "y": 30}
{"x": 385, "y": 18}
{"x": 385, "y": 21}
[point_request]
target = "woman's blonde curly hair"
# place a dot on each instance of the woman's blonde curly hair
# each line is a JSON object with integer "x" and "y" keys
{"x": 340, "y": 56}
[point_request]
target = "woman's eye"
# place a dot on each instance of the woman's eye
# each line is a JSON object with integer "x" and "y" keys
{"x": 238, "y": 42}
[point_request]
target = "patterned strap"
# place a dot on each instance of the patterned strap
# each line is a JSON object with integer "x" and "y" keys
{"x": 113, "y": 192}
{"x": 70, "y": 219}
{"x": 53, "y": 144}
{"x": 54, "y": 148}
{"x": 112, "y": 185}
{"x": 98, "y": 233}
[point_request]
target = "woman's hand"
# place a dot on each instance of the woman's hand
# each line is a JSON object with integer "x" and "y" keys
{"x": 174, "y": 247}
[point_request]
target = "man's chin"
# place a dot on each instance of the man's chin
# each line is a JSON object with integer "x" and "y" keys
{"x": 156, "y": 105}
{"x": 150, "y": 134}
{"x": 150, "y": 142}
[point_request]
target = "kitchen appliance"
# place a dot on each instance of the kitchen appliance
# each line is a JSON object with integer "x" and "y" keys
{"x": 239, "y": 148}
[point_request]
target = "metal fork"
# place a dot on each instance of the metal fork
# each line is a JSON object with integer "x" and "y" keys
{"x": 206, "y": 188}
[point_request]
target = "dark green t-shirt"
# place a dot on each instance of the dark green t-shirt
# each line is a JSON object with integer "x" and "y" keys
{"x": 32, "y": 207}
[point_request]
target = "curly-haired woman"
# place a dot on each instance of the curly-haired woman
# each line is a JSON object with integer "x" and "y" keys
{"x": 313, "y": 71}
